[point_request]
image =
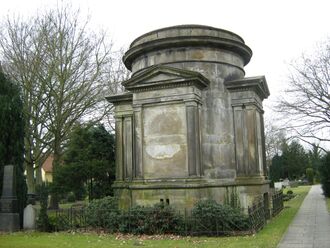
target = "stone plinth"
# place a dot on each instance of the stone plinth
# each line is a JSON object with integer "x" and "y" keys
{"x": 9, "y": 218}
{"x": 190, "y": 125}
{"x": 9, "y": 222}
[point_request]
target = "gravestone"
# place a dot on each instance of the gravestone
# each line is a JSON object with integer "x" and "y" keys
{"x": 29, "y": 220}
{"x": 9, "y": 216}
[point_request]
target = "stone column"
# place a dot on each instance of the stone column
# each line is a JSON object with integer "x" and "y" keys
{"x": 248, "y": 140}
{"x": 240, "y": 139}
{"x": 128, "y": 147}
{"x": 247, "y": 96}
{"x": 265, "y": 169}
{"x": 260, "y": 143}
{"x": 123, "y": 118}
{"x": 138, "y": 149}
{"x": 119, "y": 149}
{"x": 193, "y": 138}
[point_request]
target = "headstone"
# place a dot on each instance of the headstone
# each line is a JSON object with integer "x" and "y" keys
{"x": 278, "y": 185}
{"x": 286, "y": 182}
{"x": 9, "y": 216}
{"x": 29, "y": 220}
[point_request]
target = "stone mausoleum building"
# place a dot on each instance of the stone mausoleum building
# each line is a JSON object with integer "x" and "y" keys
{"x": 190, "y": 125}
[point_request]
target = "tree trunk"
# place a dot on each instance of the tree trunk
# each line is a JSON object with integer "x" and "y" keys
{"x": 54, "y": 198}
{"x": 39, "y": 173}
{"x": 30, "y": 177}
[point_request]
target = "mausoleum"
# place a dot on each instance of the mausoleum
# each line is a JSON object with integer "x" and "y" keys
{"x": 190, "y": 125}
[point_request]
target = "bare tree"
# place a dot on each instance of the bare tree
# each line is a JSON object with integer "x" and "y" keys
{"x": 306, "y": 104}
{"x": 77, "y": 61}
{"x": 274, "y": 139}
{"x": 64, "y": 69}
{"x": 116, "y": 75}
{"x": 22, "y": 50}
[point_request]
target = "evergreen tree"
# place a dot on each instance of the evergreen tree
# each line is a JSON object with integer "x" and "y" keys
{"x": 12, "y": 135}
{"x": 310, "y": 175}
{"x": 276, "y": 169}
{"x": 315, "y": 156}
{"x": 88, "y": 162}
{"x": 325, "y": 174}
{"x": 291, "y": 164}
{"x": 315, "y": 160}
{"x": 295, "y": 160}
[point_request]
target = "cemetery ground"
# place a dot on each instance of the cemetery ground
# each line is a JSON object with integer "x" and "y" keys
{"x": 268, "y": 237}
{"x": 328, "y": 204}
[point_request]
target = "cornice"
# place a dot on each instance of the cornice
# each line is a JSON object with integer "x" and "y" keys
{"x": 125, "y": 97}
{"x": 257, "y": 84}
{"x": 187, "y": 41}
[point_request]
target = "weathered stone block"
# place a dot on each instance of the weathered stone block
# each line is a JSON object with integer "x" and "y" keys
{"x": 9, "y": 218}
{"x": 9, "y": 222}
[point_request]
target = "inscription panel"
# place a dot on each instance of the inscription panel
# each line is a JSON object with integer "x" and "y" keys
{"x": 165, "y": 141}
{"x": 8, "y": 205}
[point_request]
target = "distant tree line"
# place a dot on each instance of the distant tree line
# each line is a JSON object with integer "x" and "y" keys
{"x": 291, "y": 160}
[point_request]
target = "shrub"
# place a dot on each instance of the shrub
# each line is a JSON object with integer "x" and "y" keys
{"x": 207, "y": 216}
{"x": 164, "y": 219}
{"x": 211, "y": 217}
{"x": 71, "y": 197}
{"x": 158, "y": 219}
{"x": 289, "y": 195}
{"x": 103, "y": 213}
{"x": 325, "y": 174}
{"x": 134, "y": 221}
{"x": 43, "y": 223}
{"x": 57, "y": 224}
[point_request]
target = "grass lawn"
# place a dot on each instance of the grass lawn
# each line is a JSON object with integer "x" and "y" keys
{"x": 269, "y": 237}
{"x": 328, "y": 203}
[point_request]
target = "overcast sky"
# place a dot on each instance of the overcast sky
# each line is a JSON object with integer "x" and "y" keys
{"x": 277, "y": 31}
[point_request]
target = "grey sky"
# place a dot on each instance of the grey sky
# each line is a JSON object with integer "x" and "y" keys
{"x": 277, "y": 31}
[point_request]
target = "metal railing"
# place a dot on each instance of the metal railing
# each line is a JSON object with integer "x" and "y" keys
{"x": 277, "y": 200}
{"x": 205, "y": 224}
{"x": 257, "y": 216}
{"x": 69, "y": 219}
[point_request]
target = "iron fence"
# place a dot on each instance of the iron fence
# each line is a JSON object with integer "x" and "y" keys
{"x": 277, "y": 200}
{"x": 187, "y": 224}
{"x": 70, "y": 219}
{"x": 257, "y": 216}
{"x": 130, "y": 221}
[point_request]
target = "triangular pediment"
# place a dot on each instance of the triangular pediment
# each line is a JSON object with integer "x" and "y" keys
{"x": 161, "y": 76}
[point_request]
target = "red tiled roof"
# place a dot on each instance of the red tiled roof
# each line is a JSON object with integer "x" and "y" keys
{"x": 48, "y": 164}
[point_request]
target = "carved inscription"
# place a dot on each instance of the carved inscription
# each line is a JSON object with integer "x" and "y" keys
{"x": 7, "y": 206}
